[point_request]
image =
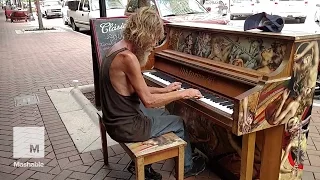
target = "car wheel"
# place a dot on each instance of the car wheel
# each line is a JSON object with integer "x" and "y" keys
{"x": 74, "y": 27}
{"x": 64, "y": 21}
{"x": 231, "y": 17}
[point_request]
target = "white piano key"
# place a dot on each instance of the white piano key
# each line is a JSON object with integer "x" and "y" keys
{"x": 205, "y": 100}
{"x": 157, "y": 78}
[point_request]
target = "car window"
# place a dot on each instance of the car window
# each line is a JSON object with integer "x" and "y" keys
{"x": 52, "y": 3}
{"x": 110, "y": 4}
{"x": 86, "y": 4}
{"x": 132, "y": 6}
{"x": 181, "y": 7}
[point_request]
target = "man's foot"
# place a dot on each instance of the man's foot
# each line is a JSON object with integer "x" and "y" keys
{"x": 149, "y": 173}
{"x": 199, "y": 165}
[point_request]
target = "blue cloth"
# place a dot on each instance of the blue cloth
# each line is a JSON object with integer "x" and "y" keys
{"x": 162, "y": 122}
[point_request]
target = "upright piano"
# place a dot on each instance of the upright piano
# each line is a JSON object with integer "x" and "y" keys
{"x": 258, "y": 90}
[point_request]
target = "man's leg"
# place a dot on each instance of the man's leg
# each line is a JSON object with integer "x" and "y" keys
{"x": 161, "y": 123}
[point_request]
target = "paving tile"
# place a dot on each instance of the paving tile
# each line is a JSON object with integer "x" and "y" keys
{"x": 314, "y": 160}
{"x": 86, "y": 157}
{"x": 6, "y": 161}
{"x": 95, "y": 167}
{"x": 80, "y": 168}
{"x": 73, "y": 158}
{"x": 119, "y": 174}
{"x": 97, "y": 154}
{"x": 63, "y": 175}
{"x": 118, "y": 149}
{"x": 82, "y": 176}
{"x": 19, "y": 170}
{"x": 6, "y": 169}
{"x": 125, "y": 159}
{"x": 56, "y": 170}
{"x": 41, "y": 176}
{"x": 6, "y": 176}
{"x": 25, "y": 175}
{"x": 117, "y": 167}
{"x": 102, "y": 173}
{"x": 168, "y": 165}
{"x": 308, "y": 176}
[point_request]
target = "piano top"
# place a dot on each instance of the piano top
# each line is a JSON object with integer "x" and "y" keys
{"x": 289, "y": 35}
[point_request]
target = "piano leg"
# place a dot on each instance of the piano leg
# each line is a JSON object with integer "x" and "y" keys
{"x": 247, "y": 156}
{"x": 271, "y": 157}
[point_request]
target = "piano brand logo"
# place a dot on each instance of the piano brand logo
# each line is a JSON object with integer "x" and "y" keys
{"x": 190, "y": 73}
{"x": 110, "y": 27}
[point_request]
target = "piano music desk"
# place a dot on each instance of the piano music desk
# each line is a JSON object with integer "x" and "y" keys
{"x": 258, "y": 89}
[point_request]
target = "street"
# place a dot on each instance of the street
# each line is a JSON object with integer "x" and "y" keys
{"x": 308, "y": 26}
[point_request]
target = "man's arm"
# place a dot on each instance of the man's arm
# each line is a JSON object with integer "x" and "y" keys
{"x": 171, "y": 87}
{"x": 131, "y": 67}
{"x": 155, "y": 90}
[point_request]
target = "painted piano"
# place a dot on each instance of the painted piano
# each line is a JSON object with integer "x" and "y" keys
{"x": 258, "y": 87}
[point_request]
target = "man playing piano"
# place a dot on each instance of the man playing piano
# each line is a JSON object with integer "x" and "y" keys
{"x": 126, "y": 99}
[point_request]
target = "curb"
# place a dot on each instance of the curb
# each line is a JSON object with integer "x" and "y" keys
{"x": 77, "y": 93}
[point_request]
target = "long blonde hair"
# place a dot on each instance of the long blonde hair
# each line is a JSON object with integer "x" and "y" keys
{"x": 143, "y": 28}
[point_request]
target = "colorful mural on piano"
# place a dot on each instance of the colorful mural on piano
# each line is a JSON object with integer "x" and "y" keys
{"x": 287, "y": 102}
{"x": 255, "y": 53}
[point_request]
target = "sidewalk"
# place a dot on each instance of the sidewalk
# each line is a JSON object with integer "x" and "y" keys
{"x": 35, "y": 63}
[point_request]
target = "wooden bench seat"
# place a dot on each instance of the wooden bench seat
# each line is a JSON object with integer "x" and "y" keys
{"x": 157, "y": 149}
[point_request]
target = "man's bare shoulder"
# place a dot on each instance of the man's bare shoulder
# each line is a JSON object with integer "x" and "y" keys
{"x": 127, "y": 57}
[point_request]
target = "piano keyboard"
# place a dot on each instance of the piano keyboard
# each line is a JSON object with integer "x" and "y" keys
{"x": 210, "y": 99}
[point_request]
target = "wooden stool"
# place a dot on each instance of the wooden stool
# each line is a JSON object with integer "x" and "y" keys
{"x": 169, "y": 146}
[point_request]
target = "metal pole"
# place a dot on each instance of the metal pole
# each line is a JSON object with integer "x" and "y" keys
{"x": 102, "y": 7}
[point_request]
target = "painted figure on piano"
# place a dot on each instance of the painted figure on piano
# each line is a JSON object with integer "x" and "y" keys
{"x": 187, "y": 46}
{"x": 130, "y": 107}
{"x": 260, "y": 54}
{"x": 293, "y": 106}
{"x": 295, "y": 148}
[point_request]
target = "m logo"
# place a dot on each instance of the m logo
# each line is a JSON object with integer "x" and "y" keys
{"x": 28, "y": 142}
{"x": 34, "y": 149}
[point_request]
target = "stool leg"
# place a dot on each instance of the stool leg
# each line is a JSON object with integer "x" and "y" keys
{"x": 139, "y": 168}
{"x": 180, "y": 164}
{"x": 104, "y": 142}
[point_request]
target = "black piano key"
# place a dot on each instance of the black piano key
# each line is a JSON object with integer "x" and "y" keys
{"x": 230, "y": 106}
{"x": 226, "y": 103}
{"x": 206, "y": 94}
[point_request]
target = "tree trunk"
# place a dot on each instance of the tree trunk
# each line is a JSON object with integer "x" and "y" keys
{"x": 39, "y": 15}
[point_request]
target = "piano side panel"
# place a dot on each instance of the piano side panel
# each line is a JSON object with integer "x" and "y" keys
{"x": 288, "y": 102}
{"x": 254, "y": 52}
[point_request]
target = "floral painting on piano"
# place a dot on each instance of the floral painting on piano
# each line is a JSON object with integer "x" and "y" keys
{"x": 260, "y": 54}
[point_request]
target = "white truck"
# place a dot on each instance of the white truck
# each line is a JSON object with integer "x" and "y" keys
{"x": 87, "y": 9}
{"x": 51, "y": 8}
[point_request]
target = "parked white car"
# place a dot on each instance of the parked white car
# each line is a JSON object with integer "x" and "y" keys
{"x": 51, "y": 8}
{"x": 217, "y": 6}
{"x": 88, "y": 9}
{"x": 68, "y": 4}
{"x": 290, "y": 9}
{"x": 243, "y": 8}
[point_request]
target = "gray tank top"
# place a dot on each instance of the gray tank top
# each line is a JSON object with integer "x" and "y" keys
{"x": 124, "y": 120}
